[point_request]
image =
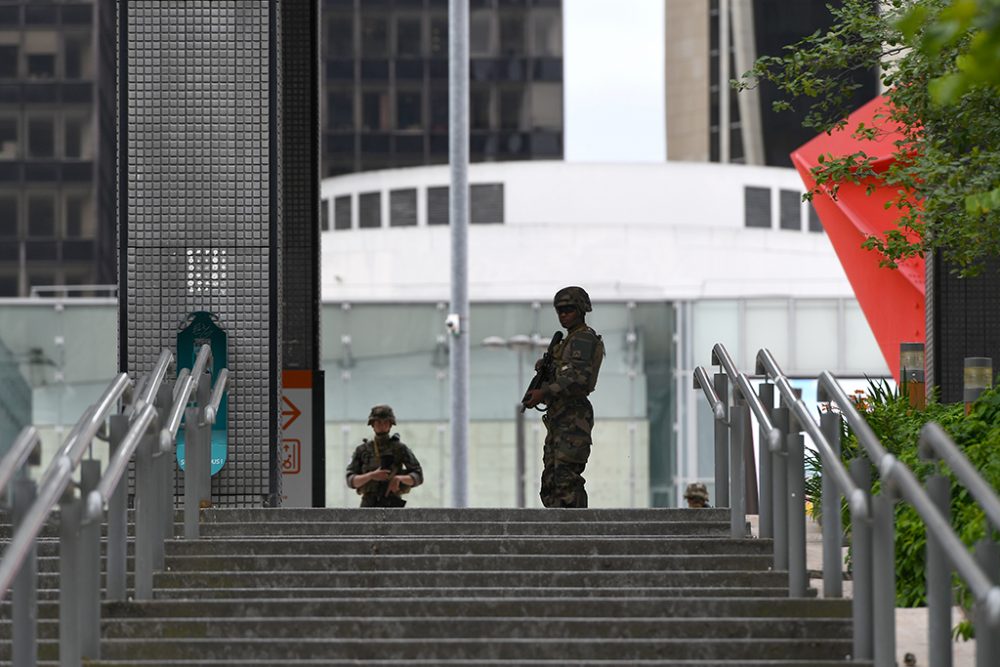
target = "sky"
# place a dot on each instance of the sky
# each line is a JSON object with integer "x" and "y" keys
{"x": 614, "y": 81}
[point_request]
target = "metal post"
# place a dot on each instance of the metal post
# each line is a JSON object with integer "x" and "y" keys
{"x": 167, "y": 465}
{"x": 987, "y": 634}
{"x": 69, "y": 567}
{"x": 721, "y": 383}
{"x": 765, "y": 527}
{"x": 861, "y": 543}
{"x": 884, "y": 578}
{"x": 739, "y": 421}
{"x": 833, "y": 529}
{"x": 798, "y": 581}
{"x": 117, "y": 548}
{"x": 192, "y": 496}
{"x": 89, "y": 587}
{"x": 779, "y": 488}
{"x": 458, "y": 206}
{"x": 146, "y": 519}
{"x": 519, "y": 454}
{"x": 24, "y": 596}
{"x": 938, "y": 575}
{"x": 724, "y": 81}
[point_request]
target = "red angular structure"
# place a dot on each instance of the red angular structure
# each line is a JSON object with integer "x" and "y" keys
{"x": 891, "y": 299}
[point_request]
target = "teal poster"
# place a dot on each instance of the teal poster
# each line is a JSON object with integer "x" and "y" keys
{"x": 200, "y": 328}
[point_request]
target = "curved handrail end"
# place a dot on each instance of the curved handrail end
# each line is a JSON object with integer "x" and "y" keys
{"x": 858, "y": 502}
{"x": 94, "y": 510}
{"x": 774, "y": 440}
{"x": 992, "y": 604}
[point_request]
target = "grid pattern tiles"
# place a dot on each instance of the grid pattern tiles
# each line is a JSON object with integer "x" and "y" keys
{"x": 198, "y": 156}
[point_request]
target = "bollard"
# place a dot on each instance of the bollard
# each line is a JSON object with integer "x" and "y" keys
{"x": 938, "y": 576}
{"x": 722, "y": 443}
{"x": 117, "y": 548}
{"x": 766, "y": 515}
{"x": 70, "y": 509}
{"x": 24, "y": 596}
{"x": 832, "y": 526}
{"x": 861, "y": 542}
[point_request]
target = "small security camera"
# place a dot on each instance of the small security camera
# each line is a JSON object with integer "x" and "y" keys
{"x": 453, "y": 324}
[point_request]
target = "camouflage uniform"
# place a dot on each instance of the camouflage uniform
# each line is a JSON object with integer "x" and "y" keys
{"x": 569, "y": 418}
{"x": 369, "y": 456}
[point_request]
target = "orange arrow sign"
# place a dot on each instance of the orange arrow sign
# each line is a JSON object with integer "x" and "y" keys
{"x": 292, "y": 413}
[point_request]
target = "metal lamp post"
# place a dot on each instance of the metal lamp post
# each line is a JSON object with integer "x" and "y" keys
{"x": 520, "y": 343}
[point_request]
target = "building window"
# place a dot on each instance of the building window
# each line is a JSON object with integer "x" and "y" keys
{"x": 757, "y": 207}
{"x": 546, "y": 106}
{"x": 41, "y": 216}
{"x": 370, "y": 210}
{"x": 41, "y": 66}
{"x": 77, "y": 138}
{"x": 8, "y": 61}
{"x": 324, "y": 215}
{"x": 546, "y": 33}
{"x": 512, "y": 34}
{"x": 340, "y": 111}
{"x": 77, "y": 57}
{"x": 403, "y": 208}
{"x": 375, "y": 111}
{"x": 511, "y": 108}
{"x": 439, "y": 110}
{"x": 79, "y": 217}
{"x": 790, "y": 210}
{"x": 342, "y": 212}
{"x": 8, "y": 138}
{"x": 439, "y": 37}
{"x": 480, "y": 102}
{"x": 8, "y": 216}
{"x": 437, "y": 205}
{"x": 8, "y": 285}
{"x": 481, "y": 40}
{"x": 409, "y": 110}
{"x": 814, "y": 224}
{"x": 374, "y": 37}
{"x": 340, "y": 36}
{"x": 409, "y": 42}
{"x": 41, "y": 138}
{"x": 486, "y": 203}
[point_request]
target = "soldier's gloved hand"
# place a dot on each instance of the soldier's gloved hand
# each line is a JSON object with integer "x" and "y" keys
{"x": 533, "y": 398}
{"x": 538, "y": 364}
{"x": 380, "y": 475}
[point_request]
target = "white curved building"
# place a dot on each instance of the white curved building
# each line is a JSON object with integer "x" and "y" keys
{"x": 675, "y": 256}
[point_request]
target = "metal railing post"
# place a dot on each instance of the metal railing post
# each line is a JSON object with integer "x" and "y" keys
{"x": 117, "y": 544}
{"x": 987, "y": 554}
{"x": 70, "y": 508}
{"x": 861, "y": 543}
{"x": 884, "y": 576}
{"x": 146, "y": 518}
{"x": 779, "y": 488}
{"x": 24, "y": 597}
{"x": 721, "y": 383}
{"x": 798, "y": 581}
{"x": 832, "y": 526}
{"x": 739, "y": 424}
{"x": 192, "y": 495}
{"x": 938, "y": 577}
{"x": 766, "y": 512}
{"x": 166, "y": 467}
{"x": 89, "y": 587}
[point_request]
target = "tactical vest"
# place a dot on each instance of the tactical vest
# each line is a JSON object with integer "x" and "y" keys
{"x": 576, "y": 346}
{"x": 371, "y": 459}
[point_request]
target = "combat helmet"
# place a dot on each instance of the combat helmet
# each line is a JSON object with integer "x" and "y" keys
{"x": 696, "y": 491}
{"x": 381, "y": 412}
{"x": 572, "y": 296}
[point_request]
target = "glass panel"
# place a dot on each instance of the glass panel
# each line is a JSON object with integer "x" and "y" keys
{"x": 479, "y": 108}
{"x": 78, "y": 61}
{"x": 77, "y": 139}
{"x": 437, "y": 205}
{"x": 80, "y": 217}
{"x": 403, "y": 208}
{"x": 8, "y": 61}
{"x": 374, "y": 37}
{"x": 439, "y": 110}
{"x": 481, "y": 33}
{"x": 512, "y": 34}
{"x": 342, "y": 212}
{"x": 790, "y": 209}
{"x": 41, "y": 216}
{"x": 409, "y": 110}
{"x": 340, "y": 111}
{"x": 408, "y": 38}
{"x": 766, "y": 326}
{"x": 511, "y": 109}
{"x": 546, "y": 106}
{"x": 370, "y": 210}
{"x": 8, "y": 216}
{"x": 375, "y": 111}
{"x": 861, "y": 349}
{"x": 41, "y": 66}
{"x": 815, "y": 336}
{"x": 714, "y": 322}
{"x": 439, "y": 37}
{"x": 757, "y": 207}
{"x": 546, "y": 33}
{"x": 324, "y": 215}
{"x": 41, "y": 138}
{"x": 8, "y": 138}
{"x": 814, "y": 224}
{"x": 340, "y": 36}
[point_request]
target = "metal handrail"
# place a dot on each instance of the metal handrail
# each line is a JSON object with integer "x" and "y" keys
{"x": 118, "y": 463}
{"x": 935, "y": 444}
{"x": 212, "y": 409}
{"x": 187, "y": 382}
{"x": 25, "y": 447}
{"x": 856, "y": 498}
{"x": 702, "y": 381}
{"x": 721, "y": 356}
{"x": 895, "y": 475}
{"x": 155, "y": 379}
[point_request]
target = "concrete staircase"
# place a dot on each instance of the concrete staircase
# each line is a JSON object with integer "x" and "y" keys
{"x": 462, "y": 587}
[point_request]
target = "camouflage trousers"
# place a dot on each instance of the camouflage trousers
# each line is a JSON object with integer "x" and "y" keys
{"x": 567, "y": 448}
{"x": 379, "y": 500}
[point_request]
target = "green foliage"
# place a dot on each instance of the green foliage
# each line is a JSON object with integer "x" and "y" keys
{"x": 897, "y": 425}
{"x": 940, "y": 62}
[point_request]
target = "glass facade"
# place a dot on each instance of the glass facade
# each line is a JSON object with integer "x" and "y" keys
{"x": 385, "y": 85}
{"x": 56, "y": 214}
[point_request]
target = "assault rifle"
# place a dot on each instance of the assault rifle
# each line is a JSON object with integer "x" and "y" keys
{"x": 546, "y": 371}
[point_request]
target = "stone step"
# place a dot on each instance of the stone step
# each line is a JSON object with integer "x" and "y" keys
{"x": 541, "y": 544}
{"x": 403, "y": 627}
{"x": 374, "y": 604}
{"x": 507, "y": 563}
{"x": 420, "y": 529}
{"x": 473, "y": 514}
{"x": 569, "y": 650}
{"x": 627, "y": 662}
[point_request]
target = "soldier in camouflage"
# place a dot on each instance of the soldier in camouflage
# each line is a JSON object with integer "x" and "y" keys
{"x": 569, "y": 417}
{"x": 383, "y": 469}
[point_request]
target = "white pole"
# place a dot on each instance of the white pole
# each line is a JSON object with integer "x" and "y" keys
{"x": 458, "y": 206}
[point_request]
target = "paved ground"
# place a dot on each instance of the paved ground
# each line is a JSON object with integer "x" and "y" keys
{"x": 911, "y": 624}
